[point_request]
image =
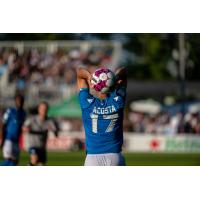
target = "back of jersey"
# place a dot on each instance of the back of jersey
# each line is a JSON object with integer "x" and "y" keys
{"x": 103, "y": 121}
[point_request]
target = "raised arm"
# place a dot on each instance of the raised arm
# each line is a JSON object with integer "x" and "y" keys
{"x": 121, "y": 77}
{"x": 83, "y": 78}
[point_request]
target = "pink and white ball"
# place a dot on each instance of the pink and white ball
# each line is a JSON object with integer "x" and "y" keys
{"x": 102, "y": 80}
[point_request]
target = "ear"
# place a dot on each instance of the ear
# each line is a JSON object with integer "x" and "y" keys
{"x": 119, "y": 81}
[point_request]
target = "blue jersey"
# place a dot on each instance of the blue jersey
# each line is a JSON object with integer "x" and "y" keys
{"x": 103, "y": 121}
{"x": 13, "y": 119}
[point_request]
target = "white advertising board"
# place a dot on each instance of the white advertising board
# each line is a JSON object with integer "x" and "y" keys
{"x": 133, "y": 142}
{"x": 161, "y": 143}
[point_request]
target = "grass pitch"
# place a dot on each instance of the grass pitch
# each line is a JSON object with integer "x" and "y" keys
{"x": 132, "y": 159}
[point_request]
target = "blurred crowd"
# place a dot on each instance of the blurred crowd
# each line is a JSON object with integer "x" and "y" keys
{"x": 164, "y": 123}
{"x": 38, "y": 66}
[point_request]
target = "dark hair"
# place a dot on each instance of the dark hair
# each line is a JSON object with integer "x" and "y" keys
{"x": 19, "y": 96}
{"x": 45, "y": 103}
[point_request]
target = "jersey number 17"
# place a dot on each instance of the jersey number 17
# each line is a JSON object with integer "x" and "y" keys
{"x": 113, "y": 118}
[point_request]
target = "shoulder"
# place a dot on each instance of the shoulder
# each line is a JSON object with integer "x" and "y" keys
{"x": 85, "y": 98}
{"x": 31, "y": 119}
{"x": 84, "y": 90}
{"x": 49, "y": 119}
{"x": 6, "y": 114}
{"x": 120, "y": 91}
{"x": 9, "y": 111}
{"x": 118, "y": 97}
{"x": 85, "y": 93}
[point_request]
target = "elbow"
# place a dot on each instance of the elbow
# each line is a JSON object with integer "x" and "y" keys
{"x": 79, "y": 71}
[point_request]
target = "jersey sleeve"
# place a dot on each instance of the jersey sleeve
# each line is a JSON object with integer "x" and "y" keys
{"x": 52, "y": 126}
{"x": 119, "y": 97}
{"x": 6, "y": 116}
{"x": 85, "y": 98}
{"x": 27, "y": 122}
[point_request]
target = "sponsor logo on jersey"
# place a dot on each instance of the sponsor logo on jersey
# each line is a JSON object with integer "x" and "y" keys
{"x": 107, "y": 110}
{"x": 116, "y": 98}
{"x": 90, "y": 100}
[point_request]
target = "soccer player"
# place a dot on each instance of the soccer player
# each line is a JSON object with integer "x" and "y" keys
{"x": 102, "y": 116}
{"x": 13, "y": 120}
{"x": 37, "y": 128}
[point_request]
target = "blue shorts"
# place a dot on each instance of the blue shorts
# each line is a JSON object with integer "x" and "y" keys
{"x": 40, "y": 152}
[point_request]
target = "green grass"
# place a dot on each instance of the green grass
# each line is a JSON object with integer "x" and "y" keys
{"x": 132, "y": 159}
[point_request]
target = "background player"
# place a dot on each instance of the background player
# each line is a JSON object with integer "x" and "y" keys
{"x": 37, "y": 128}
{"x": 13, "y": 120}
{"x": 104, "y": 132}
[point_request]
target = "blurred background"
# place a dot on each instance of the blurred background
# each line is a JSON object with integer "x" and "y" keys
{"x": 162, "y": 121}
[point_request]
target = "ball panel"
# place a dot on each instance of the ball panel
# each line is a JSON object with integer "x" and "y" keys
{"x": 110, "y": 75}
{"x": 95, "y": 78}
{"x": 93, "y": 82}
{"x": 109, "y": 83}
{"x": 105, "y": 90}
{"x": 103, "y": 76}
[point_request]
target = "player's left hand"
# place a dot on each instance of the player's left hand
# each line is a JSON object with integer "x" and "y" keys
{"x": 89, "y": 81}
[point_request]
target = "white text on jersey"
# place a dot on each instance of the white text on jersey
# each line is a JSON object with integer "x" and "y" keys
{"x": 107, "y": 110}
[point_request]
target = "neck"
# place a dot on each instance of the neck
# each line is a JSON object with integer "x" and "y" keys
{"x": 101, "y": 95}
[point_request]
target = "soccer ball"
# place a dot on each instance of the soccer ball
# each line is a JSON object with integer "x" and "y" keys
{"x": 102, "y": 80}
